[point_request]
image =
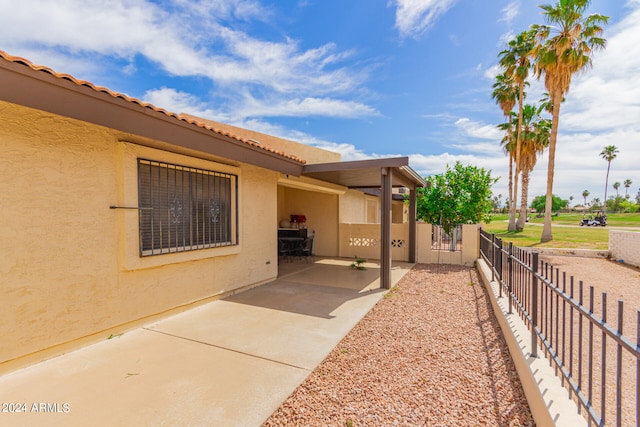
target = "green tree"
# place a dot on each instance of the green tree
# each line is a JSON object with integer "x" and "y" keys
{"x": 628, "y": 206}
{"x": 540, "y": 203}
{"x": 567, "y": 46}
{"x": 608, "y": 153}
{"x": 614, "y": 204}
{"x": 585, "y": 194}
{"x": 461, "y": 195}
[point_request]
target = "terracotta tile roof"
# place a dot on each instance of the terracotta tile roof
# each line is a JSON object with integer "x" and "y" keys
{"x": 182, "y": 117}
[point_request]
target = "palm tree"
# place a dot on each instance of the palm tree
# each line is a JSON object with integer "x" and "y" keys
{"x": 627, "y": 184}
{"x": 516, "y": 60}
{"x": 535, "y": 138}
{"x": 505, "y": 92}
{"x": 567, "y": 45}
{"x": 585, "y": 194}
{"x": 508, "y": 145}
{"x": 616, "y": 186}
{"x": 608, "y": 153}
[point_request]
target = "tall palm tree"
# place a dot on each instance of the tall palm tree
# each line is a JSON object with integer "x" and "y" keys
{"x": 608, "y": 153}
{"x": 505, "y": 92}
{"x": 516, "y": 61}
{"x": 627, "y": 184}
{"x": 585, "y": 194}
{"x": 535, "y": 138}
{"x": 567, "y": 46}
{"x": 508, "y": 145}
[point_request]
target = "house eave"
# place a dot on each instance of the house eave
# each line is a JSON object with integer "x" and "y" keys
{"x": 41, "y": 90}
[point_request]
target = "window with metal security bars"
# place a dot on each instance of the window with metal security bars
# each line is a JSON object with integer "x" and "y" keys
{"x": 184, "y": 208}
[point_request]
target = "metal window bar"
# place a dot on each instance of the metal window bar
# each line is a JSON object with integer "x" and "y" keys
{"x": 183, "y": 208}
{"x": 550, "y": 327}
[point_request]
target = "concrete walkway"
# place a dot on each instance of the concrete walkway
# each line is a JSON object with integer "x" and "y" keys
{"x": 227, "y": 363}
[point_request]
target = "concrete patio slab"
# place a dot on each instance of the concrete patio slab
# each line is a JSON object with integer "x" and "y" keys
{"x": 144, "y": 378}
{"x": 287, "y": 322}
{"x": 230, "y": 362}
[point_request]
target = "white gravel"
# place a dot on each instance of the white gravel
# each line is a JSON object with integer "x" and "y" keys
{"x": 430, "y": 353}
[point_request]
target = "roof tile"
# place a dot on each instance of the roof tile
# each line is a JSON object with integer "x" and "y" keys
{"x": 18, "y": 60}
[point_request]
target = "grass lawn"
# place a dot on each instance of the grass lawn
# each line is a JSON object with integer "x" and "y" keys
{"x": 563, "y": 237}
{"x": 614, "y": 220}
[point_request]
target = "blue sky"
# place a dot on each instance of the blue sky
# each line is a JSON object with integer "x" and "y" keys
{"x": 365, "y": 78}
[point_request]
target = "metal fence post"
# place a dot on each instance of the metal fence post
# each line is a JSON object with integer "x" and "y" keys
{"x": 499, "y": 267}
{"x": 534, "y": 304}
{"x": 493, "y": 257}
{"x": 510, "y": 276}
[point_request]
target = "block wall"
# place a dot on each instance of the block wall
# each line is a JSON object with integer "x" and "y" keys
{"x": 625, "y": 246}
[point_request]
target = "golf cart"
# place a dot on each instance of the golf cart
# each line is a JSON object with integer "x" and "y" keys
{"x": 595, "y": 219}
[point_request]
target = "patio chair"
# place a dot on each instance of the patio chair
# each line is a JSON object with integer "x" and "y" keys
{"x": 307, "y": 249}
{"x": 284, "y": 250}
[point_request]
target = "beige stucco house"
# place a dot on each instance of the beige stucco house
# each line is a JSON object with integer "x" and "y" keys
{"x": 115, "y": 211}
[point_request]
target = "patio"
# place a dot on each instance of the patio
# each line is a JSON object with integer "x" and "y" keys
{"x": 228, "y": 362}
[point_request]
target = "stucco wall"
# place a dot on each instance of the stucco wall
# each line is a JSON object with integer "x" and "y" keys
{"x": 625, "y": 245}
{"x": 353, "y": 206}
{"x": 70, "y": 267}
{"x": 467, "y": 256}
{"x": 363, "y": 241}
{"x": 320, "y": 210}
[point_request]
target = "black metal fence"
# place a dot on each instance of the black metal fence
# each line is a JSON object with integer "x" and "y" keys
{"x": 597, "y": 363}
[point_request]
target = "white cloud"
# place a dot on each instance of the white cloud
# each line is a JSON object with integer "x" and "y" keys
{"x": 181, "y": 102}
{"x": 225, "y": 9}
{"x": 491, "y": 72}
{"x": 415, "y": 17}
{"x": 606, "y": 96}
{"x": 184, "y": 41}
{"x": 510, "y": 12}
{"x": 308, "y": 107}
{"x": 246, "y": 106}
{"x": 476, "y": 129}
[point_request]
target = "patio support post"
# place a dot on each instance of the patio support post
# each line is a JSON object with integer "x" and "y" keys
{"x": 385, "y": 243}
{"x": 412, "y": 224}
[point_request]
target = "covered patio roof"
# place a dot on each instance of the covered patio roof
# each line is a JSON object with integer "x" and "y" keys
{"x": 377, "y": 173}
{"x": 365, "y": 173}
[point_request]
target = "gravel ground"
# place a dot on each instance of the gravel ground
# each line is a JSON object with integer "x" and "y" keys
{"x": 619, "y": 281}
{"x": 430, "y": 353}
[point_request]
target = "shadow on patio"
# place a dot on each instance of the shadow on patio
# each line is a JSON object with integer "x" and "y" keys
{"x": 319, "y": 287}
